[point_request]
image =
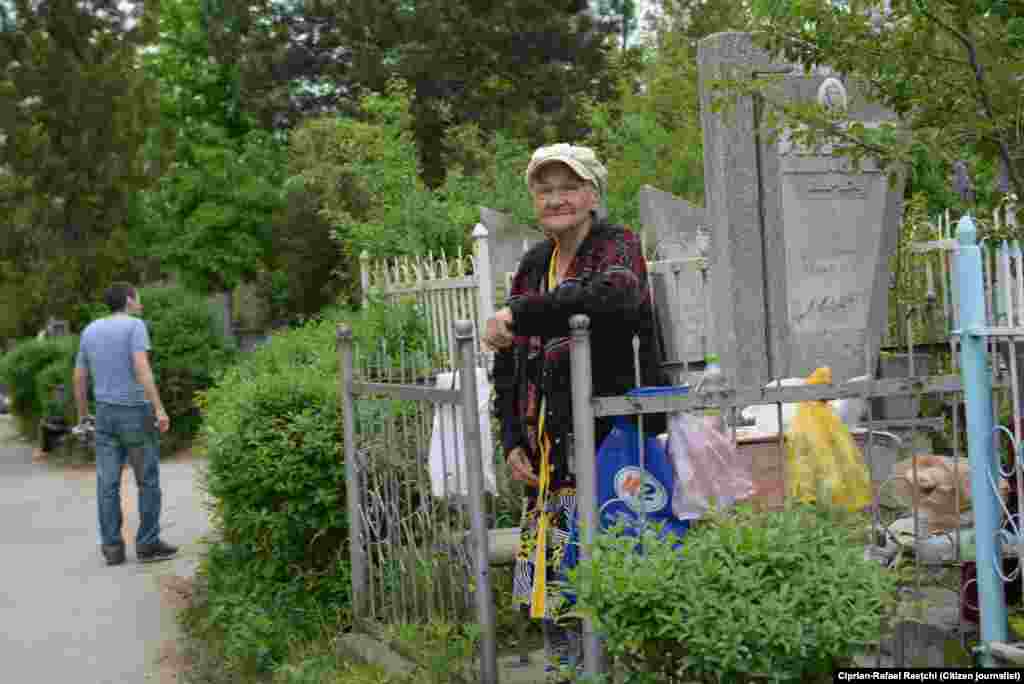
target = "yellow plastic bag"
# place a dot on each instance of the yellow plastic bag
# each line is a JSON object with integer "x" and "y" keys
{"x": 824, "y": 461}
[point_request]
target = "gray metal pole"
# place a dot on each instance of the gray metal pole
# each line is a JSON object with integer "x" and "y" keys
{"x": 477, "y": 520}
{"x": 586, "y": 468}
{"x": 357, "y": 553}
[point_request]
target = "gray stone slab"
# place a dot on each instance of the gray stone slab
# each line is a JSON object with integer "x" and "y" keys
{"x": 930, "y": 640}
{"x": 671, "y": 222}
{"x": 801, "y": 242}
{"x": 365, "y": 649}
{"x": 680, "y": 296}
{"x": 507, "y": 241}
{"x": 838, "y": 244}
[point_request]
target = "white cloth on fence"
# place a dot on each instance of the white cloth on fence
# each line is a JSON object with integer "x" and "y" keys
{"x": 448, "y": 470}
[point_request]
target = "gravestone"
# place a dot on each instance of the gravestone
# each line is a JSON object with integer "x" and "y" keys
{"x": 801, "y": 241}
{"x": 672, "y": 222}
{"x": 507, "y": 241}
{"x": 679, "y": 287}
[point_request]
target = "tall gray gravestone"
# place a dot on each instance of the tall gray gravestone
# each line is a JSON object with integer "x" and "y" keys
{"x": 801, "y": 242}
{"x": 507, "y": 241}
{"x": 671, "y": 221}
{"x": 679, "y": 290}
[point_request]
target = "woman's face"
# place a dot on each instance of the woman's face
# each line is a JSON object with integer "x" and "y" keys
{"x": 561, "y": 199}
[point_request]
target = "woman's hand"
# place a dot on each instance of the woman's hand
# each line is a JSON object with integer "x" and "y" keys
{"x": 521, "y": 468}
{"x": 498, "y": 334}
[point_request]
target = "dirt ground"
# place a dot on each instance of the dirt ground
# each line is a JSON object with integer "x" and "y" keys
{"x": 176, "y": 593}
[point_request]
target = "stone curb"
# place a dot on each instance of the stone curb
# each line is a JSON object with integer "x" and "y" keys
{"x": 367, "y": 650}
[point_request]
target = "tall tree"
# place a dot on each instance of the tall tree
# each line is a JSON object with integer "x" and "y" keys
{"x": 622, "y": 13}
{"x": 522, "y": 67}
{"x": 74, "y": 113}
{"x": 210, "y": 218}
{"x": 517, "y": 66}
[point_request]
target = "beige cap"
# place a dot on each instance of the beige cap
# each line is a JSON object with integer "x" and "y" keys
{"x": 581, "y": 160}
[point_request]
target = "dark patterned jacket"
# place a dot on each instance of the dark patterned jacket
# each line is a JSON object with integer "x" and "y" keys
{"x": 608, "y": 281}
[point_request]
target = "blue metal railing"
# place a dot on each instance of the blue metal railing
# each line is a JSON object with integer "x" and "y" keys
{"x": 985, "y": 473}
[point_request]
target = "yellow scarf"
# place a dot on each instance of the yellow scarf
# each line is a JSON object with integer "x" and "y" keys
{"x": 540, "y": 564}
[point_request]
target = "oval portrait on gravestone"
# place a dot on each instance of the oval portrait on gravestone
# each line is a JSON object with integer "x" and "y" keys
{"x": 832, "y": 94}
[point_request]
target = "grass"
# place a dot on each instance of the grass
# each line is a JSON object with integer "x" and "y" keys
{"x": 309, "y": 662}
{"x": 442, "y": 647}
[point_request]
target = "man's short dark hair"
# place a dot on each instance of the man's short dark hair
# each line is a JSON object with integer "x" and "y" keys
{"x": 116, "y": 296}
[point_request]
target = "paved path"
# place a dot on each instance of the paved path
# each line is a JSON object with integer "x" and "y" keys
{"x": 64, "y": 615}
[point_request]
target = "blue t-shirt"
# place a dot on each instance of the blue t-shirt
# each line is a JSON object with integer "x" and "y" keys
{"x": 105, "y": 350}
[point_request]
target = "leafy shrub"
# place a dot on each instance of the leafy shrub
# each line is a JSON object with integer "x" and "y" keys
{"x": 21, "y": 369}
{"x": 276, "y": 474}
{"x": 777, "y": 596}
{"x": 60, "y": 372}
{"x": 188, "y": 354}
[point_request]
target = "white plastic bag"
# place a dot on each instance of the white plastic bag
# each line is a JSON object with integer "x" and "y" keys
{"x": 448, "y": 469}
{"x": 709, "y": 470}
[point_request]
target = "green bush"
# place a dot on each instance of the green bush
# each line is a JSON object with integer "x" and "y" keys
{"x": 188, "y": 354}
{"x": 60, "y": 372}
{"x": 276, "y": 474}
{"x": 22, "y": 370}
{"x": 781, "y": 596}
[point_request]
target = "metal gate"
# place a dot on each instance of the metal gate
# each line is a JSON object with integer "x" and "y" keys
{"x": 418, "y": 537}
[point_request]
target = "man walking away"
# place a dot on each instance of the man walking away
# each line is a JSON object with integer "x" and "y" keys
{"x": 115, "y": 351}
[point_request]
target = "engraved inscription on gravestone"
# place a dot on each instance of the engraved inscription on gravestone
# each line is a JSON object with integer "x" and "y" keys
{"x": 833, "y": 220}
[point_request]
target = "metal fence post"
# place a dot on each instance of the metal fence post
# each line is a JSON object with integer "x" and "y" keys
{"x": 364, "y": 276}
{"x": 484, "y": 274}
{"x": 478, "y": 523}
{"x": 357, "y": 552}
{"x": 985, "y": 474}
{"x": 484, "y": 282}
{"x": 586, "y": 468}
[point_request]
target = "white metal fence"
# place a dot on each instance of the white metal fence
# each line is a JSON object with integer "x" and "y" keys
{"x": 447, "y": 288}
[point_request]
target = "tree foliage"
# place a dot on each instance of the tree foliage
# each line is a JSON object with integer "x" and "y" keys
{"x": 73, "y": 111}
{"x": 950, "y": 70}
{"x": 209, "y": 219}
{"x": 517, "y": 67}
{"x": 651, "y": 133}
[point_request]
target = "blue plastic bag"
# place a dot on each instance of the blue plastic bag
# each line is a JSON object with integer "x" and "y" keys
{"x": 625, "y": 492}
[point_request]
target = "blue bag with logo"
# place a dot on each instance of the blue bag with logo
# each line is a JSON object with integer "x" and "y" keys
{"x": 625, "y": 492}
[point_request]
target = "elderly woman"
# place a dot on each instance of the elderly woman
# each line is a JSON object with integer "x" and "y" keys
{"x": 585, "y": 266}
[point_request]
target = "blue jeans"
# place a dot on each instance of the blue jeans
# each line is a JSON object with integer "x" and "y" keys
{"x": 127, "y": 434}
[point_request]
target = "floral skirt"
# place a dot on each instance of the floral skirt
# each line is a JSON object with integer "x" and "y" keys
{"x": 561, "y": 506}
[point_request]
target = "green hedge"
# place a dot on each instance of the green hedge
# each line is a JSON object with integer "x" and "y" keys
{"x": 31, "y": 370}
{"x": 189, "y": 352}
{"x": 276, "y": 473}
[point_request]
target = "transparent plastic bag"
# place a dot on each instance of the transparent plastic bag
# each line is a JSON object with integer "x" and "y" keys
{"x": 824, "y": 461}
{"x": 709, "y": 470}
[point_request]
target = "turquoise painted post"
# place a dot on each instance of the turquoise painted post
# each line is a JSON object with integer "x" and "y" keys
{"x": 977, "y": 382}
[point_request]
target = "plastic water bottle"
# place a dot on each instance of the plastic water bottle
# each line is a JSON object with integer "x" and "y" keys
{"x": 711, "y": 381}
